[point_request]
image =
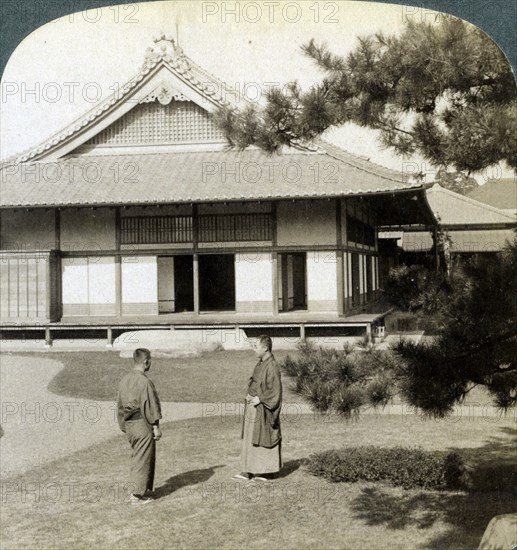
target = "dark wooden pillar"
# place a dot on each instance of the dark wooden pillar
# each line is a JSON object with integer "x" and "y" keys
{"x": 195, "y": 247}
{"x": 118, "y": 265}
{"x": 48, "y": 337}
{"x": 274, "y": 257}
{"x": 58, "y": 295}
{"x": 57, "y": 229}
{"x": 274, "y": 274}
{"x": 196, "y": 283}
{"x": 109, "y": 337}
{"x": 339, "y": 261}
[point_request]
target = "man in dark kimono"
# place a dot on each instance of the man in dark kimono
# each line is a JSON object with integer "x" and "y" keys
{"x": 139, "y": 414}
{"x": 261, "y": 456}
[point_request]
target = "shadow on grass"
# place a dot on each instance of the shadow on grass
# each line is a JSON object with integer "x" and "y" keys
{"x": 289, "y": 467}
{"x": 185, "y": 479}
{"x": 490, "y": 489}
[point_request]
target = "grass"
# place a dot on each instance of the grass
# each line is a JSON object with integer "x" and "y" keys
{"x": 213, "y": 377}
{"x": 199, "y": 506}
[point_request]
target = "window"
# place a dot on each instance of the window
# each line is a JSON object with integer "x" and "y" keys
{"x": 156, "y": 229}
{"x": 235, "y": 227}
{"x": 212, "y": 228}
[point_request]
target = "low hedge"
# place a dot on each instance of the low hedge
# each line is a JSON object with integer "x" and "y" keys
{"x": 399, "y": 466}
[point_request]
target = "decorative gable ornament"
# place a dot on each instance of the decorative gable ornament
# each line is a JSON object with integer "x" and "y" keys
{"x": 166, "y": 49}
{"x": 164, "y": 93}
{"x": 166, "y": 75}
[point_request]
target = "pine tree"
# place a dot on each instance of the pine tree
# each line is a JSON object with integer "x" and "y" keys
{"x": 459, "y": 182}
{"x": 476, "y": 347}
{"x": 444, "y": 91}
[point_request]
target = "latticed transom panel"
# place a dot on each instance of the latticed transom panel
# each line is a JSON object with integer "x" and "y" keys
{"x": 177, "y": 122}
{"x": 211, "y": 228}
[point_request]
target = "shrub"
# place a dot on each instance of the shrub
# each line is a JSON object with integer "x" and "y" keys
{"x": 400, "y": 466}
{"x": 342, "y": 380}
{"x": 416, "y": 288}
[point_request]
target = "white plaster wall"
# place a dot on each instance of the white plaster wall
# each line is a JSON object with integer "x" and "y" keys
{"x": 140, "y": 280}
{"x": 74, "y": 280}
{"x": 101, "y": 281}
{"x": 88, "y": 281}
{"x": 321, "y": 276}
{"x": 253, "y": 277}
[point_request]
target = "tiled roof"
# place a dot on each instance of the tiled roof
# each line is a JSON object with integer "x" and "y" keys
{"x": 455, "y": 209}
{"x": 498, "y": 193}
{"x": 193, "y": 177}
{"x": 489, "y": 231}
{"x": 358, "y": 161}
{"x": 468, "y": 241}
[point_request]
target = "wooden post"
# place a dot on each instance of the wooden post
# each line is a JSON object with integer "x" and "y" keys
{"x": 285, "y": 289}
{"x": 109, "y": 338}
{"x": 339, "y": 261}
{"x": 48, "y": 290}
{"x": 118, "y": 265}
{"x": 118, "y": 285}
{"x": 274, "y": 257}
{"x": 196, "y": 283}
{"x": 195, "y": 247}
{"x": 302, "y": 332}
{"x": 274, "y": 224}
{"x": 57, "y": 312}
{"x": 57, "y": 229}
{"x": 48, "y": 338}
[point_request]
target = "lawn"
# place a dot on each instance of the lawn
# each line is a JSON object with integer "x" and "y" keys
{"x": 78, "y": 501}
{"x": 213, "y": 377}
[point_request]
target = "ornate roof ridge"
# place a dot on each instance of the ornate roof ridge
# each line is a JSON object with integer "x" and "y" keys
{"x": 165, "y": 51}
{"x": 78, "y": 123}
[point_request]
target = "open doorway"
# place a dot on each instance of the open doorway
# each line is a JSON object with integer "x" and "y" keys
{"x": 292, "y": 281}
{"x": 217, "y": 282}
{"x": 175, "y": 284}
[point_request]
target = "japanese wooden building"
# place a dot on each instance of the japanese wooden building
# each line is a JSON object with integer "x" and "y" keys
{"x": 471, "y": 227}
{"x": 138, "y": 214}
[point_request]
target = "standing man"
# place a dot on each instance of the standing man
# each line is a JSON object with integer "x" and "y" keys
{"x": 261, "y": 457}
{"x": 139, "y": 414}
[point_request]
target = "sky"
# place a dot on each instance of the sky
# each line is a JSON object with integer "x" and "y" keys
{"x": 63, "y": 68}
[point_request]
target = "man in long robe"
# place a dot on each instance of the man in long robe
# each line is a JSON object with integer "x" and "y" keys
{"x": 139, "y": 414}
{"x": 261, "y": 454}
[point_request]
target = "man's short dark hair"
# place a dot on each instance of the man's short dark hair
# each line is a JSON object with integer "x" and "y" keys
{"x": 266, "y": 341}
{"x": 141, "y": 355}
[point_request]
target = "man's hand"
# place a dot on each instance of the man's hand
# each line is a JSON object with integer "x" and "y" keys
{"x": 157, "y": 433}
{"x": 254, "y": 401}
